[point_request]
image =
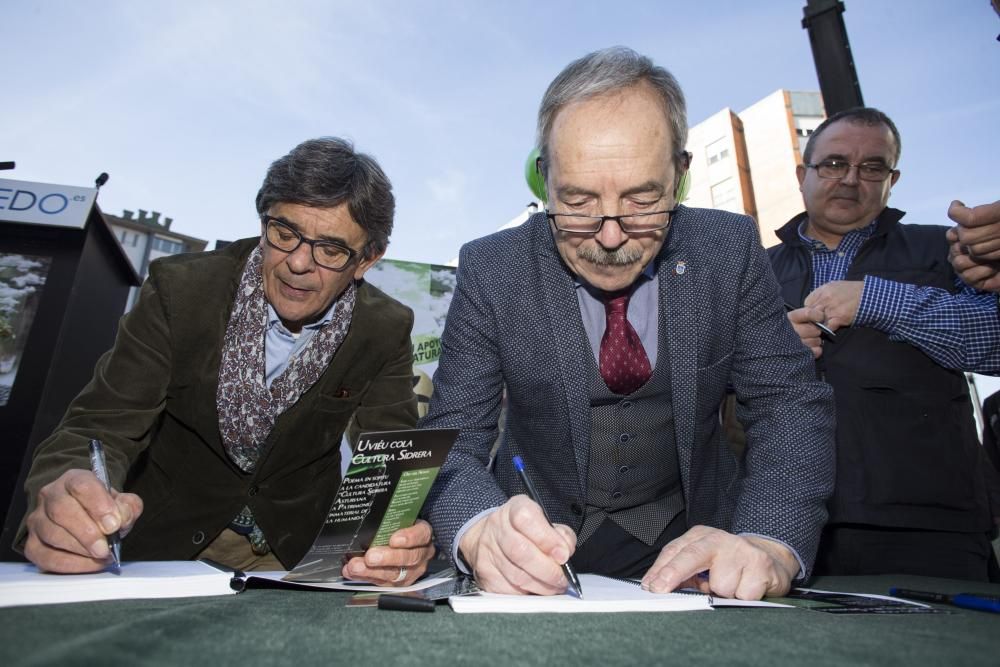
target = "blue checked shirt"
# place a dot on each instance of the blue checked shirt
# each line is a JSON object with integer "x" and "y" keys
{"x": 959, "y": 330}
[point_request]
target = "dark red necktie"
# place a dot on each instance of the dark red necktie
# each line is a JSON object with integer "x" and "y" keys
{"x": 624, "y": 364}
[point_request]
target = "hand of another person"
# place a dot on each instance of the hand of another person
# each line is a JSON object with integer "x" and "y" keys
{"x": 67, "y": 531}
{"x": 515, "y": 550}
{"x": 743, "y": 567}
{"x": 978, "y": 230}
{"x": 399, "y": 564}
{"x": 979, "y": 273}
{"x": 802, "y": 321}
{"x": 838, "y": 300}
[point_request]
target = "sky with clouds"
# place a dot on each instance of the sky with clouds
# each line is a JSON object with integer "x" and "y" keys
{"x": 185, "y": 104}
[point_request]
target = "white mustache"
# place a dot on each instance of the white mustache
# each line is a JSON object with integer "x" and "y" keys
{"x": 622, "y": 256}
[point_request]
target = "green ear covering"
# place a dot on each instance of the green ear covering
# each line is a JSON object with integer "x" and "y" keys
{"x": 536, "y": 183}
{"x": 682, "y": 188}
{"x": 533, "y": 177}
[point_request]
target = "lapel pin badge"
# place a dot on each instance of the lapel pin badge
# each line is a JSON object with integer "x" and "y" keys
{"x": 680, "y": 268}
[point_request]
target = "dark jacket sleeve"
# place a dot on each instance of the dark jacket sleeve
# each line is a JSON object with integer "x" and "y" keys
{"x": 788, "y": 414}
{"x": 468, "y": 387}
{"x": 120, "y": 405}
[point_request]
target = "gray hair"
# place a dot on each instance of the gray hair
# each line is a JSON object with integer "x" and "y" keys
{"x": 327, "y": 172}
{"x": 858, "y": 116}
{"x": 608, "y": 70}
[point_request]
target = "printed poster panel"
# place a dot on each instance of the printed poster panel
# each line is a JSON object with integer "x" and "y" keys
{"x": 427, "y": 289}
{"x": 22, "y": 278}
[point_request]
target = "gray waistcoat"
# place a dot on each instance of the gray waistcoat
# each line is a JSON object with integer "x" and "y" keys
{"x": 633, "y": 475}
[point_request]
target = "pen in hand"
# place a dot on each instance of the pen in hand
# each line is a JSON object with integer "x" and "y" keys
{"x": 574, "y": 583}
{"x": 100, "y": 469}
{"x": 825, "y": 331}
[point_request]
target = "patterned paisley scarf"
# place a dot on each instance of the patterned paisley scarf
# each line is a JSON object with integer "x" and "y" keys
{"x": 247, "y": 409}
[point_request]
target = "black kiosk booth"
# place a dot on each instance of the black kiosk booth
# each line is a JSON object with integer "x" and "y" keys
{"x": 64, "y": 283}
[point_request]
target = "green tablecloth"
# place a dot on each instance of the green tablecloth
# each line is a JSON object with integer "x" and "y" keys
{"x": 275, "y": 627}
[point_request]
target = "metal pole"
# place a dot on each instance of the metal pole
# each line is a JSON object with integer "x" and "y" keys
{"x": 838, "y": 80}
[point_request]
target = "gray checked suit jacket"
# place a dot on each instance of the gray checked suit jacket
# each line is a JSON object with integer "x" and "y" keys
{"x": 514, "y": 321}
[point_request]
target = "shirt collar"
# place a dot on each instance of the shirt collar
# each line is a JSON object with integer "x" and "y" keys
{"x": 861, "y": 232}
{"x": 273, "y": 319}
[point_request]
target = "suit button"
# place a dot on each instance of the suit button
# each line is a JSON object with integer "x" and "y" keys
{"x": 253, "y": 491}
{"x": 616, "y": 495}
{"x": 623, "y": 470}
{"x": 625, "y": 405}
{"x": 623, "y": 438}
{"x": 576, "y": 509}
{"x": 198, "y": 538}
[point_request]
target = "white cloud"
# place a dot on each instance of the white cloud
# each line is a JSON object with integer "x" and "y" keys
{"x": 449, "y": 187}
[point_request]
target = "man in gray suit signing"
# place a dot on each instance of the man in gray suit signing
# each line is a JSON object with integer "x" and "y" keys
{"x": 615, "y": 320}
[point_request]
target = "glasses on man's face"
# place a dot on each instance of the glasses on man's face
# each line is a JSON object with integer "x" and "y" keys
{"x": 634, "y": 223}
{"x": 837, "y": 169}
{"x": 327, "y": 254}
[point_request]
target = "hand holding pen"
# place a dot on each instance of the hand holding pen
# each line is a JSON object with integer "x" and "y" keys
{"x": 805, "y": 324}
{"x": 574, "y": 583}
{"x": 73, "y": 515}
{"x": 514, "y": 549}
{"x": 824, "y": 330}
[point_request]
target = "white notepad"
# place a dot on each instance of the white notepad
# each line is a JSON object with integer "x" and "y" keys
{"x": 600, "y": 594}
{"x": 23, "y": 584}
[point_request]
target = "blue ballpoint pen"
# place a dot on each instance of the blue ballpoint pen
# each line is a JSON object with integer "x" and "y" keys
{"x": 100, "y": 469}
{"x": 574, "y": 583}
{"x": 965, "y": 600}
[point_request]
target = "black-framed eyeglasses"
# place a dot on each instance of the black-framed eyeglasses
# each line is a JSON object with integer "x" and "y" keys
{"x": 280, "y": 236}
{"x": 633, "y": 223}
{"x": 837, "y": 169}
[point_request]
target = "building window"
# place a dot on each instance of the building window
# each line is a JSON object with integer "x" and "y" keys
{"x": 135, "y": 239}
{"x": 717, "y": 151}
{"x": 725, "y": 196}
{"x": 803, "y": 131}
{"x": 167, "y": 246}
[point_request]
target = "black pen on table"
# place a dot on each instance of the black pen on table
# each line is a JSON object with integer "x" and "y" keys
{"x": 825, "y": 331}
{"x": 964, "y": 600}
{"x": 100, "y": 469}
{"x": 574, "y": 582}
